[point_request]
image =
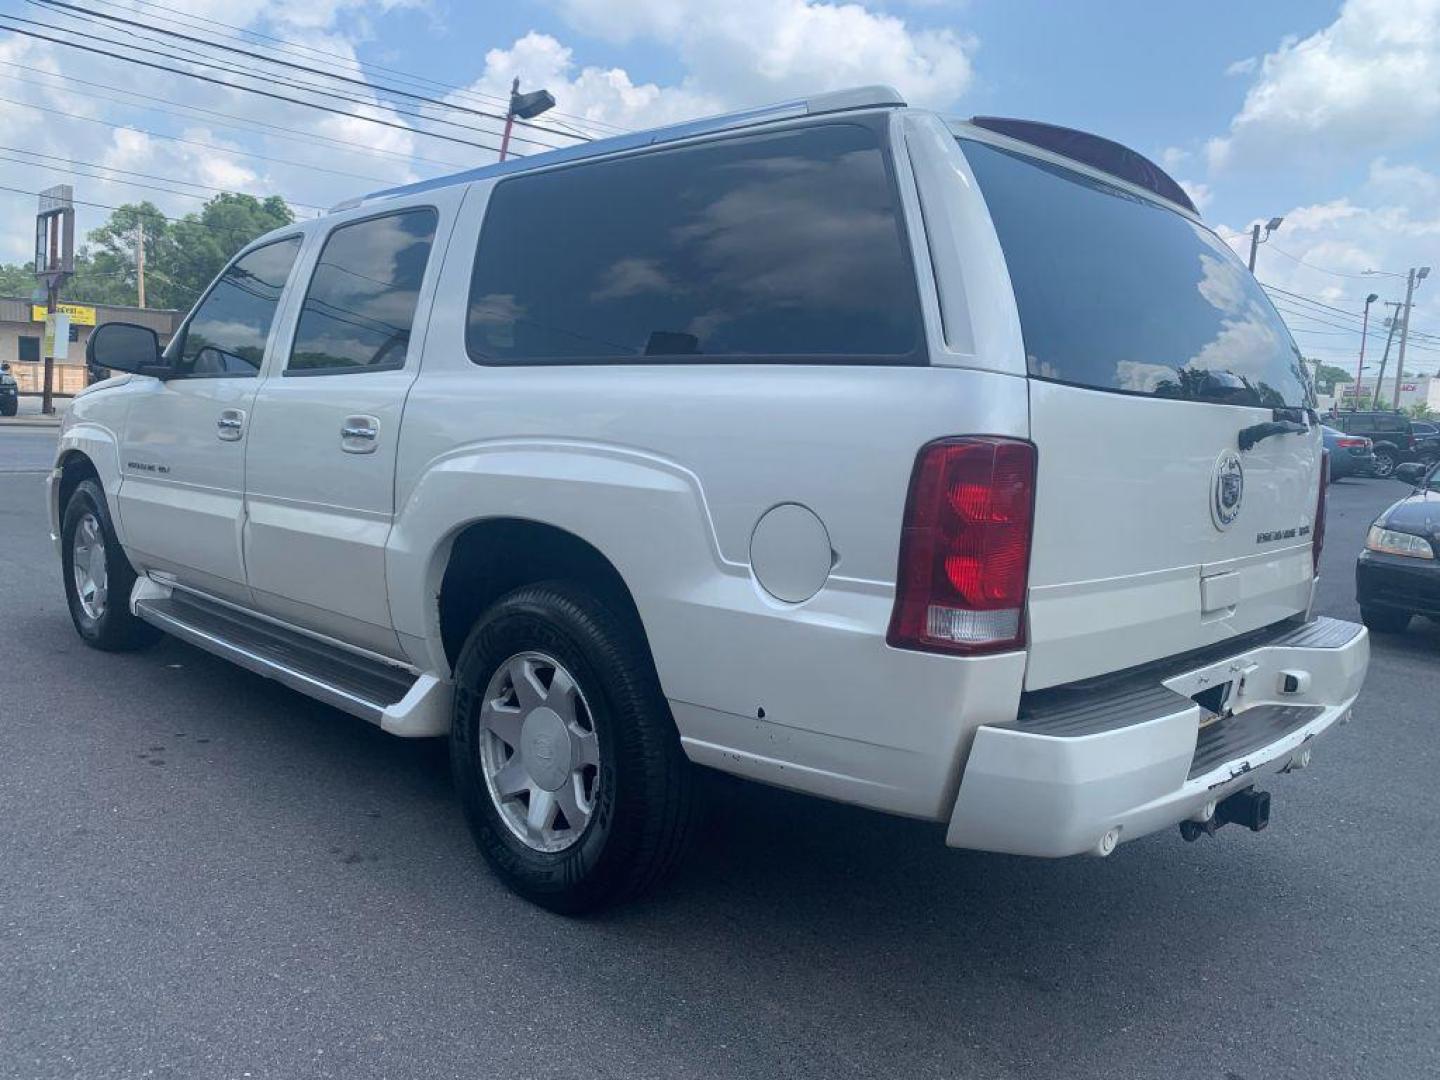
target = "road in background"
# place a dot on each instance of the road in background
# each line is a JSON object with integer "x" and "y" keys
{"x": 26, "y": 449}
{"x": 206, "y": 875}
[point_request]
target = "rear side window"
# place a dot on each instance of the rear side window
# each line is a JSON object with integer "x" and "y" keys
{"x": 783, "y": 247}
{"x": 1118, "y": 293}
{"x": 361, "y": 303}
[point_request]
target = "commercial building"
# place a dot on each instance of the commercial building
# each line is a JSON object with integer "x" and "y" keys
{"x": 22, "y": 327}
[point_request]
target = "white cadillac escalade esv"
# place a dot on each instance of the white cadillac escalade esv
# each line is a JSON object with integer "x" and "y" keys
{"x": 951, "y": 469}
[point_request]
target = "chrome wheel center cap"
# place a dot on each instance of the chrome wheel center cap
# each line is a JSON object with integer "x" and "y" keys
{"x": 545, "y": 748}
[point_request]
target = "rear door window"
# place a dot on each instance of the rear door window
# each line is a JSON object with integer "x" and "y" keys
{"x": 783, "y": 247}
{"x": 1117, "y": 292}
{"x": 361, "y": 303}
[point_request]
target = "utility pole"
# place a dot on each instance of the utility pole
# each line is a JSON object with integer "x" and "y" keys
{"x": 1385, "y": 357}
{"x": 1364, "y": 327}
{"x": 140, "y": 262}
{"x": 54, "y": 263}
{"x": 1414, "y": 277}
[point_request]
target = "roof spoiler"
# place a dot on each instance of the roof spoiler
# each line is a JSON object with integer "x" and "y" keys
{"x": 1099, "y": 153}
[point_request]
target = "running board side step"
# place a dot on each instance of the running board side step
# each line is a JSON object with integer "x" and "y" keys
{"x": 396, "y": 700}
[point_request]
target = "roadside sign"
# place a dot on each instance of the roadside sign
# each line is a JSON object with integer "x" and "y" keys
{"x": 80, "y": 314}
{"x": 57, "y": 336}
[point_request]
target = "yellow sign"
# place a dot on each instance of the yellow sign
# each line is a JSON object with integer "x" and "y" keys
{"x": 79, "y": 314}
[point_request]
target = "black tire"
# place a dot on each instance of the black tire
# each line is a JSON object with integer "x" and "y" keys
{"x": 115, "y": 629}
{"x": 645, "y": 801}
{"x": 1385, "y": 620}
{"x": 9, "y": 408}
{"x": 1385, "y": 462}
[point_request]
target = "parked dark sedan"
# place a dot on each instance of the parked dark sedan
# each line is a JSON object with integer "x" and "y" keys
{"x": 1350, "y": 455}
{"x": 1398, "y": 573}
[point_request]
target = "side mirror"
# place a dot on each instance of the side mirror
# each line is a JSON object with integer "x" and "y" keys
{"x": 1411, "y": 472}
{"x": 126, "y": 347}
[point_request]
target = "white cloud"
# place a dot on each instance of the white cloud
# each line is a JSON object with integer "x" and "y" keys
{"x": 1172, "y": 157}
{"x": 607, "y": 95}
{"x": 750, "y": 51}
{"x": 1199, "y": 193}
{"x": 1370, "y": 79}
{"x": 1327, "y": 251}
{"x": 1243, "y": 67}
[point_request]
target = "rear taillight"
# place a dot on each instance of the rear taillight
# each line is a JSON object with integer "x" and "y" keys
{"x": 1351, "y": 444}
{"x": 1317, "y": 535}
{"x": 965, "y": 547}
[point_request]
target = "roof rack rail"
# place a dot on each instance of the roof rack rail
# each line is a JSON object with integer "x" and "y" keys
{"x": 1093, "y": 150}
{"x": 860, "y": 97}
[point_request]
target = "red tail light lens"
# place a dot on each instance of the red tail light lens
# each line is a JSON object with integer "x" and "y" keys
{"x": 965, "y": 547}
{"x": 1317, "y": 535}
{"x": 1351, "y": 443}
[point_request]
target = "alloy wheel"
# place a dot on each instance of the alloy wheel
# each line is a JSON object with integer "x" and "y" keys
{"x": 87, "y": 566}
{"x": 539, "y": 752}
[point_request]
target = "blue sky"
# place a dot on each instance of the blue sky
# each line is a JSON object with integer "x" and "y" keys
{"x": 1325, "y": 113}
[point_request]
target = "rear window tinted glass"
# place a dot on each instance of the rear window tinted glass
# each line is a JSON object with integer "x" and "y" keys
{"x": 362, "y": 296}
{"x": 783, "y": 247}
{"x": 1118, "y": 293}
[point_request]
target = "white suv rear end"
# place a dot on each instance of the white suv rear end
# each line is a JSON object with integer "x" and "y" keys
{"x": 953, "y": 470}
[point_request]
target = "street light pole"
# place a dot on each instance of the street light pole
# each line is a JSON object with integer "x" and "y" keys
{"x": 526, "y": 107}
{"x": 1413, "y": 279}
{"x": 1256, "y": 239}
{"x": 1364, "y": 326}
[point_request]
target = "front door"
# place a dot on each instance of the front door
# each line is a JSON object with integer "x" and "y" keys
{"x": 182, "y": 463}
{"x": 320, "y": 471}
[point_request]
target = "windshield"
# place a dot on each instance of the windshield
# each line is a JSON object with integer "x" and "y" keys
{"x": 1116, "y": 292}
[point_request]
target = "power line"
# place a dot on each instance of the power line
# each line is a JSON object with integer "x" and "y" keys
{"x": 1325, "y": 270}
{"x": 1309, "y": 300}
{"x": 256, "y": 127}
{"x": 298, "y": 48}
{"x": 376, "y": 88}
{"x": 143, "y": 175}
{"x": 233, "y": 151}
{"x": 247, "y": 89}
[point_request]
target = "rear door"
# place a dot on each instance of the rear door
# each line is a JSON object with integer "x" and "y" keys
{"x": 320, "y": 472}
{"x": 1162, "y": 522}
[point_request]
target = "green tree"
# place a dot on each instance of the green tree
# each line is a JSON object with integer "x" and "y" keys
{"x": 1328, "y": 377}
{"x": 182, "y": 257}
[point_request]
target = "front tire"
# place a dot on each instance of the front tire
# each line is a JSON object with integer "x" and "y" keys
{"x": 564, "y": 753}
{"x": 98, "y": 577}
{"x": 1385, "y": 620}
{"x": 1385, "y": 462}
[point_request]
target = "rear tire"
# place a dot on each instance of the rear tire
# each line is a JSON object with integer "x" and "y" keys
{"x": 1385, "y": 620}
{"x": 557, "y": 704}
{"x": 99, "y": 593}
{"x": 9, "y": 408}
{"x": 1385, "y": 462}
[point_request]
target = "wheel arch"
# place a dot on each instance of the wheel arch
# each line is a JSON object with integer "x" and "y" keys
{"x": 485, "y": 559}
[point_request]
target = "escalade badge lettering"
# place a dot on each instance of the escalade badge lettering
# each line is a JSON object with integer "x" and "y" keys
{"x": 1227, "y": 490}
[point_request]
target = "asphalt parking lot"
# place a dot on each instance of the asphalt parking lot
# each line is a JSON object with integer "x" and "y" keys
{"x": 203, "y": 874}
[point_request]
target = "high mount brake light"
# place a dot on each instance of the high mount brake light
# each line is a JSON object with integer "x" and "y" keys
{"x": 965, "y": 547}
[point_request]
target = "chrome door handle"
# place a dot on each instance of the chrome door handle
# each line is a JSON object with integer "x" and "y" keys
{"x": 231, "y": 424}
{"x": 359, "y": 434}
